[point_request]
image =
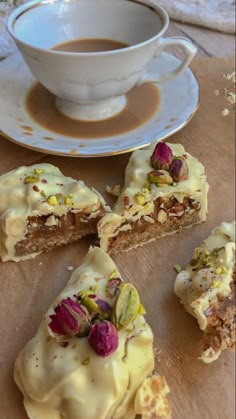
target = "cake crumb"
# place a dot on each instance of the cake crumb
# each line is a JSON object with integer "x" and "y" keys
{"x": 217, "y": 92}
{"x": 225, "y": 112}
{"x": 70, "y": 268}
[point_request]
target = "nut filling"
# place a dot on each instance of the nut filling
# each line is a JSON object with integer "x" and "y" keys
{"x": 168, "y": 216}
{"x": 220, "y": 332}
{"x": 47, "y": 231}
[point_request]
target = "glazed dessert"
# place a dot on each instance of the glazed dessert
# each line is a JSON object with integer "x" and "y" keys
{"x": 92, "y": 356}
{"x": 206, "y": 288}
{"x": 165, "y": 191}
{"x": 40, "y": 208}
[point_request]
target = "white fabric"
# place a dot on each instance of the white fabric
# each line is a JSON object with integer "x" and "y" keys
{"x": 214, "y": 14}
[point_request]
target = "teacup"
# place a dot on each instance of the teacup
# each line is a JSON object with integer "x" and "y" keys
{"x": 92, "y": 85}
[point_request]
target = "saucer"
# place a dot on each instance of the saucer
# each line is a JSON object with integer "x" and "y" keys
{"x": 179, "y": 99}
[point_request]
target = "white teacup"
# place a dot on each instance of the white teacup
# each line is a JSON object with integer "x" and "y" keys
{"x": 92, "y": 85}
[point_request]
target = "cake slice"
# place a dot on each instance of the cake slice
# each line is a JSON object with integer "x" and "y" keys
{"x": 40, "y": 208}
{"x": 92, "y": 356}
{"x": 165, "y": 191}
{"x": 207, "y": 290}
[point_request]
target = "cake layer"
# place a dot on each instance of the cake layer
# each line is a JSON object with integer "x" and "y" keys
{"x": 41, "y": 208}
{"x": 66, "y": 371}
{"x": 206, "y": 288}
{"x": 154, "y": 203}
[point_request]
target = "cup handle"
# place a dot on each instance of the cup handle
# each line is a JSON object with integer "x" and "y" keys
{"x": 190, "y": 51}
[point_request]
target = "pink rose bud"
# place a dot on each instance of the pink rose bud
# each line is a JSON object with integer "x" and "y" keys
{"x": 179, "y": 169}
{"x": 161, "y": 157}
{"x": 70, "y": 319}
{"x": 103, "y": 338}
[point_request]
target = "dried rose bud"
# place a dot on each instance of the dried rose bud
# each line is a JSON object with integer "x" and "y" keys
{"x": 179, "y": 169}
{"x": 103, "y": 338}
{"x": 161, "y": 157}
{"x": 160, "y": 177}
{"x": 70, "y": 319}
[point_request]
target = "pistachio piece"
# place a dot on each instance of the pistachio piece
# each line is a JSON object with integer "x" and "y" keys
{"x": 38, "y": 171}
{"x": 31, "y": 179}
{"x": 161, "y": 157}
{"x": 160, "y": 178}
{"x": 52, "y": 200}
{"x": 139, "y": 199}
{"x": 126, "y": 306}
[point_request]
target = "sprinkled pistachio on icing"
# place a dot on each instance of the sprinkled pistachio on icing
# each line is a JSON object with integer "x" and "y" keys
{"x": 141, "y": 310}
{"x": 139, "y": 198}
{"x": 177, "y": 268}
{"x": 42, "y": 193}
{"x": 113, "y": 274}
{"x": 52, "y": 200}
{"x": 162, "y": 156}
{"x": 95, "y": 304}
{"x": 160, "y": 178}
{"x": 68, "y": 200}
{"x": 179, "y": 169}
{"x": 31, "y": 179}
{"x": 103, "y": 338}
{"x": 38, "y": 171}
{"x": 70, "y": 319}
{"x": 126, "y": 306}
{"x": 85, "y": 361}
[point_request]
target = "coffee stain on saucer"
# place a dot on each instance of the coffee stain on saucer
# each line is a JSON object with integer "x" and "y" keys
{"x": 142, "y": 102}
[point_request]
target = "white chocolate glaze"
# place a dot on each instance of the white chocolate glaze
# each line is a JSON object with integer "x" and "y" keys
{"x": 53, "y": 379}
{"x": 198, "y": 289}
{"x": 19, "y": 200}
{"x": 195, "y": 187}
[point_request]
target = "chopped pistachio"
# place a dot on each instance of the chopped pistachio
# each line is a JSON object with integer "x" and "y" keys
{"x": 94, "y": 288}
{"x": 113, "y": 274}
{"x": 31, "y": 179}
{"x": 139, "y": 199}
{"x": 177, "y": 268}
{"x": 141, "y": 310}
{"x": 38, "y": 171}
{"x": 68, "y": 200}
{"x": 146, "y": 190}
{"x": 224, "y": 270}
{"x": 42, "y": 193}
{"x": 218, "y": 271}
{"x": 85, "y": 361}
{"x": 216, "y": 284}
{"x": 52, "y": 200}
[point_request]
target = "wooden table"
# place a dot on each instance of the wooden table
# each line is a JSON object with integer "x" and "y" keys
{"x": 197, "y": 391}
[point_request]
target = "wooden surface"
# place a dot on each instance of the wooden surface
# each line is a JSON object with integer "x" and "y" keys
{"x": 198, "y": 391}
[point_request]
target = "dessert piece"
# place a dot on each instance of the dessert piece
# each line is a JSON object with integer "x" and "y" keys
{"x": 207, "y": 290}
{"x": 92, "y": 355}
{"x": 165, "y": 191}
{"x": 40, "y": 208}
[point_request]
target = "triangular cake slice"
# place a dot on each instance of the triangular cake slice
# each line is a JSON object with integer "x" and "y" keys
{"x": 92, "y": 356}
{"x": 165, "y": 190}
{"x": 206, "y": 288}
{"x": 40, "y": 208}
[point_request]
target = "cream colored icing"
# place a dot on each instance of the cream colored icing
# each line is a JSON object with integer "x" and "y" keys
{"x": 136, "y": 172}
{"x": 197, "y": 289}
{"x": 19, "y": 200}
{"x": 52, "y": 378}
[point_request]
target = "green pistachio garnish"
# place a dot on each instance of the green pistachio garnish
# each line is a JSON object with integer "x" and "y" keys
{"x": 31, "y": 179}
{"x": 126, "y": 306}
{"x": 139, "y": 199}
{"x": 38, "y": 171}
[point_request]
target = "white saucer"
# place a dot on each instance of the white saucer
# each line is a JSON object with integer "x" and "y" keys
{"x": 178, "y": 102}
